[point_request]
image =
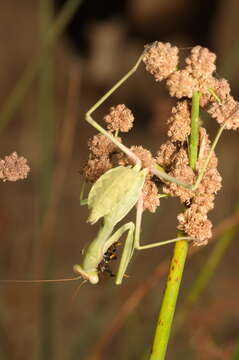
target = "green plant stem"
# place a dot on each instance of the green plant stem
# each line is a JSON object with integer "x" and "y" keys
{"x": 167, "y": 310}
{"x": 165, "y": 319}
{"x": 20, "y": 90}
{"x": 194, "y": 136}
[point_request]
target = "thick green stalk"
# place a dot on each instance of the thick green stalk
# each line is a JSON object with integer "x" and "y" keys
{"x": 164, "y": 324}
{"x": 167, "y": 310}
{"x": 22, "y": 86}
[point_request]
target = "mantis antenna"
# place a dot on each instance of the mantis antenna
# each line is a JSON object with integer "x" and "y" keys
{"x": 41, "y": 280}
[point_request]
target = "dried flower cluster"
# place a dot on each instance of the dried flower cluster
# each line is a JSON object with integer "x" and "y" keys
{"x": 180, "y": 169}
{"x": 193, "y": 220}
{"x": 196, "y": 76}
{"x": 144, "y": 155}
{"x": 102, "y": 149}
{"x": 161, "y": 61}
{"x": 226, "y": 112}
{"x": 180, "y": 122}
{"x": 120, "y": 118}
{"x": 13, "y": 168}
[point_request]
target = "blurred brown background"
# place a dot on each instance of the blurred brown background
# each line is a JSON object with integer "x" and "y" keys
{"x": 43, "y": 226}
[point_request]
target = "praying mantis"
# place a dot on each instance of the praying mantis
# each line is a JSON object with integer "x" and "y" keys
{"x": 113, "y": 196}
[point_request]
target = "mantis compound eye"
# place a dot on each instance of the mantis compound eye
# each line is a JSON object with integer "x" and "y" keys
{"x": 89, "y": 275}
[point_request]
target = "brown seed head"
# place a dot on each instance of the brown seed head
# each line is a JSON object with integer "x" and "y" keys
{"x": 226, "y": 112}
{"x": 144, "y": 155}
{"x": 160, "y": 59}
{"x": 13, "y": 168}
{"x": 166, "y": 154}
{"x": 211, "y": 182}
{"x": 181, "y": 84}
{"x": 120, "y": 118}
{"x": 221, "y": 88}
{"x": 150, "y": 196}
{"x": 100, "y": 145}
{"x": 96, "y": 167}
{"x": 179, "y": 122}
{"x": 204, "y": 202}
{"x": 201, "y": 62}
{"x": 181, "y": 171}
{"x": 196, "y": 225}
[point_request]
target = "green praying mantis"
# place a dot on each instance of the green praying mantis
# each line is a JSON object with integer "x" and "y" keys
{"x": 113, "y": 196}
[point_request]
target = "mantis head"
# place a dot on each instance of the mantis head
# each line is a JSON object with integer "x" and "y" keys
{"x": 90, "y": 275}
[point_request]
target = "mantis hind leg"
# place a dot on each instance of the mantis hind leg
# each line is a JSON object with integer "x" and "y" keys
{"x": 127, "y": 250}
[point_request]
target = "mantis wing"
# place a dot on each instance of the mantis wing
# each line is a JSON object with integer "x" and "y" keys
{"x": 115, "y": 192}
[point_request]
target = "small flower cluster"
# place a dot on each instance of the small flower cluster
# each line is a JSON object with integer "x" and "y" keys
{"x": 99, "y": 158}
{"x": 13, "y": 168}
{"x": 180, "y": 122}
{"x": 161, "y": 61}
{"x": 173, "y": 154}
{"x": 101, "y": 148}
{"x": 193, "y": 220}
{"x": 120, "y": 118}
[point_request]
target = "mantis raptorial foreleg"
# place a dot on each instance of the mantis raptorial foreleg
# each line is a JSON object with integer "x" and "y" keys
{"x": 127, "y": 250}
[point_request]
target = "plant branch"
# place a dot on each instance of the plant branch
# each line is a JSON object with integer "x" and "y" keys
{"x": 166, "y": 314}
